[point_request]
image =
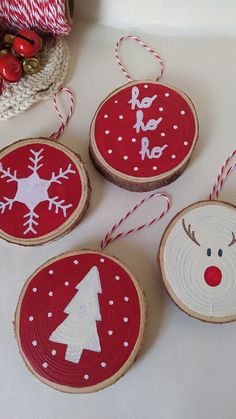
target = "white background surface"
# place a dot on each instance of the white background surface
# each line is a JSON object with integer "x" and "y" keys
{"x": 186, "y": 369}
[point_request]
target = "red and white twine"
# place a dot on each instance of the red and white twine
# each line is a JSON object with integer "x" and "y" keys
{"x": 47, "y": 16}
{"x": 224, "y": 172}
{"x": 64, "y": 122}
{"x": 138, "y": 40}
{"x": 109, "y": 236}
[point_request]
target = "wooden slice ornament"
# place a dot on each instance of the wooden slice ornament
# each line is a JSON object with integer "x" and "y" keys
{"x": 143, "y": 134}
{"x": 197, "y": 257}
{"x": 44, "y": 191}
{"x": 80, "y": 318}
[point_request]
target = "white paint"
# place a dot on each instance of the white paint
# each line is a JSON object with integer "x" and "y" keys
{"x": 33, "y": 190}
{"x": 79, "y": 330}
{"x": 155, "y": 153}
{"x": 146, "y": 102}
{"x": 151, "y": 125}
{"x": 185, "y": 262}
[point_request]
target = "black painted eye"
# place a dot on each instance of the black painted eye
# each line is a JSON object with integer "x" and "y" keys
{"x": 220, "y": 252}
{"x": 208, "y": 252}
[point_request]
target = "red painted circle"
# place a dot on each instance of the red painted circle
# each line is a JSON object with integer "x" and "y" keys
{"x": 213, "y": 276}
{"x": 119, "y": 144}
{"x": 34, "y": 192}
{"x": 43, "y": 309}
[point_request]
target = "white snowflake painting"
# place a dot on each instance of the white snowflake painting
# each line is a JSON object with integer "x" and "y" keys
{"x": 34, "y": 189}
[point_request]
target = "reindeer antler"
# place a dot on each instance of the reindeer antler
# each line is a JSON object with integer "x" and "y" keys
{"x": 233, "y": 240}
{"x": 190, "y": 234}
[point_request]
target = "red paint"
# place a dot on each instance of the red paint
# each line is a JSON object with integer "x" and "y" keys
{"x": 10, "y": 68}
{"x": 11, "y": 221}
{"x": 179, "y": 140}
{"x": 116, "y": 286}
{"x": 213, "y": 276}
{"x": 27, "y": 43}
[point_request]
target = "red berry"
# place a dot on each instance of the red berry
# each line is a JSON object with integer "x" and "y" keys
{"x": 27, "y": 43}
{"x": 10, "y": 68}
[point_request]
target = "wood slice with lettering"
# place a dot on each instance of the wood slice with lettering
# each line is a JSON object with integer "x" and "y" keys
{"x": 79, "y": 321}
{"x": 143, "y": 134}
{"x": 44, "y": 191}
{"x": 197, "y": 259}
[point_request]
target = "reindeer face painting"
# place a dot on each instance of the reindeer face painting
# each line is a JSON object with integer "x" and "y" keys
{"x": 197, "y": 259}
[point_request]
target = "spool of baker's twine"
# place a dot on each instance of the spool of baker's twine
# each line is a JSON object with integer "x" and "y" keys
{"x": 45, "y": 16}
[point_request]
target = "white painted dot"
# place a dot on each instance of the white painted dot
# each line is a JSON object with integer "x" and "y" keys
{"x": 45, "y": 365}
{"x": 106, "y": 116}
{"x": 161, "y": 109}
{"x": 182, "y": 112}
{"x": 117, "y": 277}
{"x": 66, "y": 283}
{"x": 102, "y": 260}
{"x": 54, "y": 352}
{"x": 110, "y": 151}
{"x": 116, "y": 101}
{"x": 163, "y": 134}
{"x": 121, "y": 116}
{"x": 76, "y": 262}
{"x": 126, "y": 299}
{"x": 133, "y": 140}
{"x": 49, "y": 314}
{"x": 110, "y": 332}
{"x": 34, "y": 289}
{"x": 111, "y": 302}
{"x": 107, "y": 131}
{"x": 34, "y": 343}
{"x": 125, "y": 157}
{"x": 51, "y": 272}
{"x": 167, "y": 94}
{"x": 31, "y": 318}
{"x": 50, "y": 293}
{"x": 86, "y": 376}
{"x": 125, "y": 344}
{"x": 173, "y": 156}
{"x": 103, "y": 364}
{"x": 120, "y": 138}
{"x": 125, "y": 319}
{"x": 135, "y": 168}
{"x": 175, "y": 126}
{"x": 154, "y": 167}
{"x": 146, "y": 86}
{"x": 185, "y": 142}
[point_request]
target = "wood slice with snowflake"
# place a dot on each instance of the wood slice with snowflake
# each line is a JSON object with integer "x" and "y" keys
{"x": 143, "y": 134}
{"x": 44, "y": 191}
{"x": 197, "y": 259}
{"x": 79, "y": 321}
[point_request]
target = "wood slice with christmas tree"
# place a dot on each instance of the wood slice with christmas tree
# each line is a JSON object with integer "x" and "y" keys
{"x": 80, "y": 321}
{"x": 44, "y": 191}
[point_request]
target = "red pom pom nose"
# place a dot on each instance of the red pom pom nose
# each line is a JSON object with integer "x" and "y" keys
{"x": 213, "y": 276}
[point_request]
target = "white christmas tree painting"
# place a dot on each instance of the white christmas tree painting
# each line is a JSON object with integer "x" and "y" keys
{"x": 33, "y": 189}
{"x": 79, "y": 330}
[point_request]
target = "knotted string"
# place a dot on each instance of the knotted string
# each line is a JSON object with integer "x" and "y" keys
{"x": 151, "y": 50}
{"x": 64, "y": 122}
{"x": 110, "y": 237}
{"x": 224, "y": 172}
